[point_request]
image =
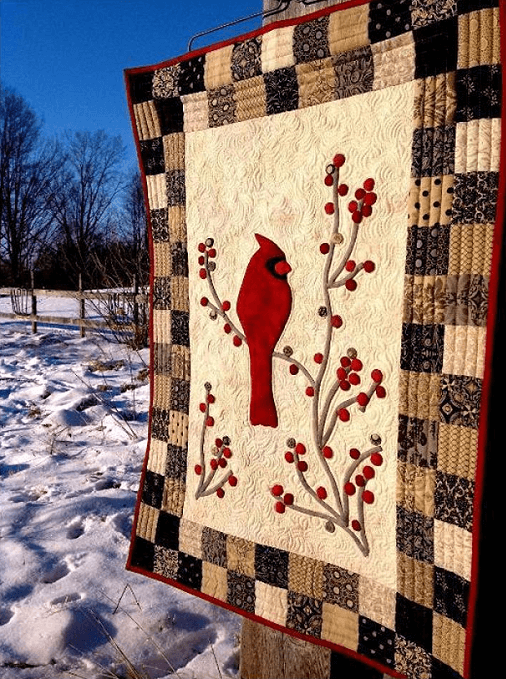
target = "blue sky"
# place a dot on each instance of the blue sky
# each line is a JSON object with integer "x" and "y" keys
{"x": 66, "y": 57}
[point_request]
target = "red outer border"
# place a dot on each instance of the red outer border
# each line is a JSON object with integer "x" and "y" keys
{"x": 487, "y": 378}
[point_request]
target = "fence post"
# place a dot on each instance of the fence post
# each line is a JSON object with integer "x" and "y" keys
{"x": 81, "y": 307}
{"x": 135, "y": 286}
{"x": 34, "y": 301}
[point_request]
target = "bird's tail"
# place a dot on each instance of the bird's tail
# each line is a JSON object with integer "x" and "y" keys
{"x": 262, "y": 407}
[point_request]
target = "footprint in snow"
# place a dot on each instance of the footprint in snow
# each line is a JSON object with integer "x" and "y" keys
{"x": 5, "y": 615}
{"x": 75, "y": 530}
{"x": 66, "y": 599}
{"x": 56, "y": 573}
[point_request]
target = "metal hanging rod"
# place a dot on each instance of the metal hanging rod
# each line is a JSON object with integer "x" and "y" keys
{"x": 282, "y": 5}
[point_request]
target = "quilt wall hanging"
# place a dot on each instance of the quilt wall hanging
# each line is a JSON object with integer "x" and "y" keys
{"x": 322, "y": 197}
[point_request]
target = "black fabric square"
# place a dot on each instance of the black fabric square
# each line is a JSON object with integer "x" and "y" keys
{"x": 222, "y": 106}
{"x": 451, "y": 595}
{"x": 475, "y": 198}
{"x": 191, "y": 75}
{"x": 466, "y": 300}
{"x": 354, "y": 72}
{"x": 141, "y": 86}
{"x": 179, "y": 328}
{"x": 159, "y": 225}
{"x": 340, "y": 587}
{"x": 143, "y": 554}
{"x": 304, "y": 614}
{"x": 465, "y": 6}
{"x": 428, "y": 250}
{"x": 433, "y": 151}
{"x": 189, "y": 571}
{"x": 436, "y": 48}
{"x": 310, "y": 40}
{"x": 175, "y": 464}
{"x": 460, "y": 400}
{"x": 241, "y": 591}
{"x": 179, "y": 260}
{"x": 424, "y": 13}
{"x": 422, "y": 348}
{"x": 479, "y": 91}
{"x": 418, "y": 441}
{"x": 152, "y": 489}
{"x": 453, "y": 499}
{"x": 282, "y": 90}
{"x": 246, "y": 59}
{"x": 152, "y": 156}
{"x": 214, "y": 547}
{"x": 271, "y": 565}
{"x": 176, "y": 188}
{"x": 376, "y": 641}
{"x": 441, "y": 671}
{"x": 344, "y": 667}
{"x": 414, "y": 622}
{"x": 160, "y": 420}
{"x": 170, "y": 115}
{"x": 167, "y": 531}
{"x": 162, "y": 293}
{"x": 415, "y": 535}
{"x": 388, "y": 18}
{"x": 180, "y": 395}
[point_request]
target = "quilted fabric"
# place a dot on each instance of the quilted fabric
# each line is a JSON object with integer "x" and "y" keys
{"x": 322, "y": 197}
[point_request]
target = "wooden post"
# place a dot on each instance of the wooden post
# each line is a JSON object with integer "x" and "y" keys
{"x": 82, "y": 309}
{"x": 136, "y": 303}
{"x": 34, "y": 301}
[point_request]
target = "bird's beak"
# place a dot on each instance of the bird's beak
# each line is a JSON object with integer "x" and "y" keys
{"x": 282, "y": 268}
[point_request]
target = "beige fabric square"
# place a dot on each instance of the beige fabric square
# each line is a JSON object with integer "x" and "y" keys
{"x": 214, "y": 581}
{"x": 431, "y": 200}
{"x": 217, "y": 67}
{"x": 157, "y": 453}
{"x": 340, "y": 626}
{"x": 457, "y": 452}
{"x": 190, "y": 538}
{"x": 453, "y": 549}
{"x": 173, "y": 151}
{"x": 277, "y": 49}
{"x": 161, "y": 326}
{"x": 161, "y": 395}
{"x": 377, "y": 602}
{"x": 157, "y": 192}
{"x": 435, "y": 100}
{"x": 477, "y": 147}
{"x": 305, "y": 576}
{"x": 179, "y": 293}
{"x": 162, "y": 259}
{"x": 178, "y": 428}
{"x": 180, "y": 362}
{"x": 147, "y": 522}
{"x": 173, "y": 496}
{"x": 176, "y": 215}
{"x": 146, "y": 120}
{"x": 250, "y": 98}
{"x": 448, "y": 642}
{"x": 479, "y": 38}
{"x": 415, "y": 488}
{"x": 317, "y": 82}
{"x": 415, "y": 580}
{"x": 394, "y": 61}
{"x": 464, "y": 350}
{"x": 471, "y": 249}
{"x": 271, "y": 602}
{"x": 424, "y": 299}
{"x": 195, "y": 108}
{"x": 419, "y": 395}
{"x": 348, "y": 29}
{"x": 241, "y": 556}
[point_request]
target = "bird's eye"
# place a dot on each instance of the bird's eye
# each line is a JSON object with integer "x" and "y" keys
{"x": 282, "y": 268}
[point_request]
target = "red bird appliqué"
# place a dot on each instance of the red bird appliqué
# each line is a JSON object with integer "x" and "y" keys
{"x": 263, "y": 306}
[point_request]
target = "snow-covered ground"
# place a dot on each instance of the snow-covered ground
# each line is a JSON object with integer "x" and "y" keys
{"x": 73, "y": 428}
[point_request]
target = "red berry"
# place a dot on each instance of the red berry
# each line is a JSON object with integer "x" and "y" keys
{"x": 288, "y": 499}
{"x": 321, "y": 492}
{"x": 294, "y": 369}
{"x": 211, "y": 252}
{"x": 366, "y": 210}
{"x": 369, "y": 266}
{"x": 198, "y": 469}
{"x": 220, "y": 493}
{"x": 226, "y": 305}
{"x": 222, "y": 462}
{"x": 377, "y": 459}
{"x": 329, "y": 180}
{"x": 329, "y": 208}
{"x": 227, "y": 453}
{"x": 341, "y": 374}
{"x": 369, "y": 184}
{"x": 204, "y": 301}
{"x": 210, "y": 421}
{"x": 327, "y": 452}
{"x": 359, "y": 480}
{"x": 289, "y": 456}
{"x": 356, "y": 217}
{"x": 202, "y": 407}
{"x": 354, "y": 379}
{"x": 368, "y": 497}
{"x": 201, "y": 247}
{"x": 237, "y": 341}
{"x": 356, "y": 525}
{"x": 211, "y": 398}
{"x": 338, "y": 160}
{"x": 227, "y": 328}
{"x": 309, "y": 391}
{"x": 381, "y": 392}
{"x": 232, "y": 480}
{"x": 277, "y": 490}
{"x": 351, "y": 284}
{"x": 214, "y": 464}
{"x": 350, "y": 265}
{"x": 349, "y": 488}
{"x": 368, "y": 472}
{"x": 318, "y": 358}
{"x": 370, "y": 198}
{"x": 300, "y": 449}
{"x": 324, "y": 248}
{"x": 355, "y": 453}
{"x": 362, "y": 399}
{"x": 345, "y": 361}
{"x": 343, "y": 415}
{"x": 359, "y": 194}
{"x": 202, "y": 260}
{"x": 345, "y": 385}
{"x": 356, "y": 364}
{"x": 280, "y": 507}
{"x": 302, "y": 466}
{"x": 352, "y": 206}
{"x": 203, "y": 273}
{"x": 218, "y": 443}
{"x": 377, "y": 375}
{"x": 336, "y": 321}
{"x": 342, "y": 189}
